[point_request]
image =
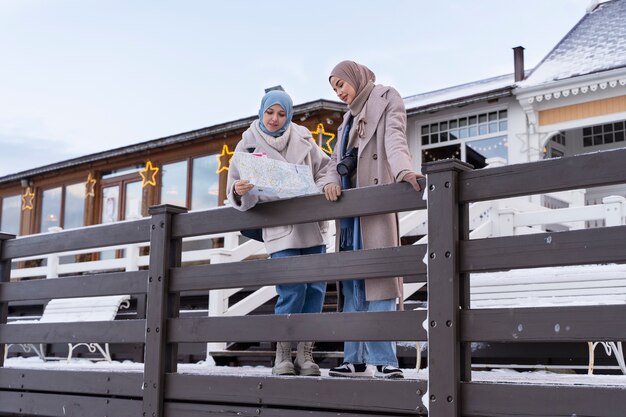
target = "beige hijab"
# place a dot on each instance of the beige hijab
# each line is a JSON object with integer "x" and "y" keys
{"x": 362, "y": 80}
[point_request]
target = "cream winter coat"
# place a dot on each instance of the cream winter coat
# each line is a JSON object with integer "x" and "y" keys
{"x": 300, "y": 150}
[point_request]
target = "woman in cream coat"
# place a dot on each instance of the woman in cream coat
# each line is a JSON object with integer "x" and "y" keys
{"x": 374, "y": 128}
{"x": 274, "y": 135}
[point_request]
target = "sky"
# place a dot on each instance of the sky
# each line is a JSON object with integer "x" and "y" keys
{"x": 84, "y": 76}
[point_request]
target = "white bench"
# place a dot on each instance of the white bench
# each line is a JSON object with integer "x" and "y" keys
{"x": 70, "y": 310}
{"x": 554, "y": 286}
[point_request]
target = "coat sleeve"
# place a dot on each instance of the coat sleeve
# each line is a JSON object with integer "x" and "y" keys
{"x": 242, "y": 203}
{"x": 319, "y": 166}
{"x": 396, "y": 143}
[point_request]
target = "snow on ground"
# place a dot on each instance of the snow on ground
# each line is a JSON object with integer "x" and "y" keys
{"x": 510, "y": 376}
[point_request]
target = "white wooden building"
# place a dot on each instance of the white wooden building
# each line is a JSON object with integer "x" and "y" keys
{"x": 572, "y": 102}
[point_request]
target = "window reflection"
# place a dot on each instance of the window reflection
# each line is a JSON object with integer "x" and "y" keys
{"x": 110, "y": 199}
{"x": 443, "y": 152}
{"x": 478, "y": 151}
{"x": 205, "y": 183}
{"x": 132, "y": 209}
{"x": 174, "y": 184}
{"x": 10, "y": 217}
{"x": 51, "y": 209}
{"x": 74, "y": 208}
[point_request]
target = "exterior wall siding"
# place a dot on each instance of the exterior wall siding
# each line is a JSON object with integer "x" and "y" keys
{"x": 585, "y": 110}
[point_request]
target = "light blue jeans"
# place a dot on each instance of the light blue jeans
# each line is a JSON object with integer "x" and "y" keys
{"x": 371, "y": 353}
{"x": 300, "y": 298}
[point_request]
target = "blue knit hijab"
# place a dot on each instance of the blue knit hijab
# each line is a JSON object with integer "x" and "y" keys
{"x": 276, "y": 97}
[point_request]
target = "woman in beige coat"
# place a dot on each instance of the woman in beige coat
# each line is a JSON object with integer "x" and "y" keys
{"x": 274, "y": 135}
{"x": 372, "y": 150}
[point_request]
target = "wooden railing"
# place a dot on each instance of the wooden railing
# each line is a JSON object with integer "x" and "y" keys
{"x": 161, "y": 389}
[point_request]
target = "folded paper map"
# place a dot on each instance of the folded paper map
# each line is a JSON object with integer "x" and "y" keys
{"x": 272, "y": 178}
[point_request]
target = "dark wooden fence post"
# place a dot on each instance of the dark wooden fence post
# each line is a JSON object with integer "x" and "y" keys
{"x": 159, "y": 356}
{"x": 5, "y": 276}
{"x": 449, "y": 361}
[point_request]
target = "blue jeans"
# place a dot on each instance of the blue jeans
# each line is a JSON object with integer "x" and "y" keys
{"x": 300, "y": 298}
{"x": 371, "y": 353}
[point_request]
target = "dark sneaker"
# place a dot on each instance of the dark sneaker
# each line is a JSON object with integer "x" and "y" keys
{"x": 350, "y": 370}
{"x": 388, "y": 372}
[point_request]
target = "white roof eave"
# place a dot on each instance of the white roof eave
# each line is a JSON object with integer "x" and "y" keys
{"x": 571, "y": 86}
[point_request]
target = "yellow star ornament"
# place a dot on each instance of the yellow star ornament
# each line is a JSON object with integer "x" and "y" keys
{"x": 90, "y": 186}
{"x": 223, "y": 159}
{"x": 320, "y": 134}
{"x": 148, "y": 175}
{"x": 27, "y": 199}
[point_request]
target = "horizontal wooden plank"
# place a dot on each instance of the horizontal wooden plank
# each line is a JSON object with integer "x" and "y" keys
{"x": 545, "y": 324}
{"x": 325, "y": 327}
{"x": 504, "y": 400}
{"x": 120, "y": 331}
{"x": 112, "y": 234}
{"x": 558, "y": 174}
{"x": 366, "y": 264}
{"x": 577, "y": 247}
{"x": 116, "y": 283}
{"x": 399, "y": 396}
{"x": 177, "y": 409}
{"x": 58, "y": 405}
{"x": 103, "y": 382}
{"x": 362, "y": 202}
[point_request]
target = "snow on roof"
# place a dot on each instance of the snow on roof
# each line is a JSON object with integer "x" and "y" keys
{"x": 597, "y": 43}
{"x": 459, "y": 92}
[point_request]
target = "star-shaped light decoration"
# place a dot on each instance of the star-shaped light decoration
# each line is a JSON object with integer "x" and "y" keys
{"x": 27, "y": 199}
{"x": 223, "y": 159}
{"x": 323, "y": 137}
{"x": 90, "y": 186}
{"x": 148, "y": 175}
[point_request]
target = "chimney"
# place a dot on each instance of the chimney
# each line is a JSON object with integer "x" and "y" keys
{"x": 518, "y": 62}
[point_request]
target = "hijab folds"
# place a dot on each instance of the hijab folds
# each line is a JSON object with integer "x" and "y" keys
{"x": 283, "y": 100}
{"x": 360, "y": 78}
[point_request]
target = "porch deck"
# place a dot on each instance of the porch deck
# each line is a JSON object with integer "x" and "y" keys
{"x": 162, "y": 387}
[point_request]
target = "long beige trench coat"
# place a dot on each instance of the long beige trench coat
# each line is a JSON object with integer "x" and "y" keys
{"x": 383, "y": 155}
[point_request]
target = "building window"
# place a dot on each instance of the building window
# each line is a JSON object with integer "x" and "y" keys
{"x": 10, "y": 214}
{"x": 191, "y": 183}
{"x": 472, "y": 138}
{"x": 441, "y": 152}
{"x": 74, "y": 206}
{"x": 559, "y": 138}
{"x": 604, "y": 134}
{"x": 63, "y": 207}
{"x": 110, "y": 204}
{"x": 465, "y": 127}
{"x": 478, "y": 151}
{"x": 132, "y": 200}
{"x": 205, "y": 185}
{"x": 174, "y": 184}
{"x": 51, "y": 209}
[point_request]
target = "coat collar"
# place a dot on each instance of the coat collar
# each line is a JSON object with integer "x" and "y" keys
{"x": 298, "y": 147}
{"x": 374, "y": 110}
